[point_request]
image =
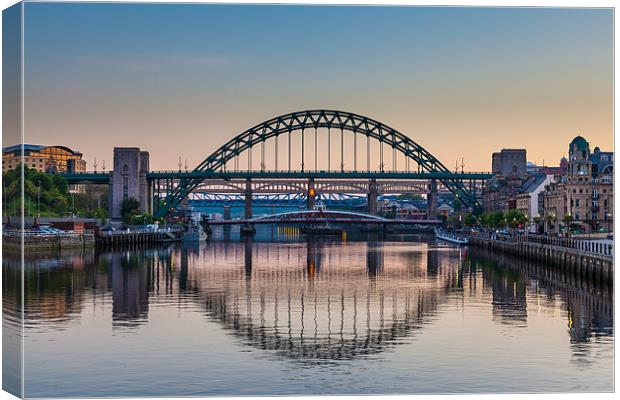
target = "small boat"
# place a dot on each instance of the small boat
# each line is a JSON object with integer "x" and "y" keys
{"x": 194, "y": 233}
{"x": 449, "y": 237}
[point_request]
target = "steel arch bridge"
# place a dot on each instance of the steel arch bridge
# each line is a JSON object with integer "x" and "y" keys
{"x": 227, "y": 157}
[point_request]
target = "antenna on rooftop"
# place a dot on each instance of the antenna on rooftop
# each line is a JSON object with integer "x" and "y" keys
{"x": 186, "y": 165}
{"x": 95, "y": 164}
{"x": 180, "y": 164}
{"x": 103, "y": 166}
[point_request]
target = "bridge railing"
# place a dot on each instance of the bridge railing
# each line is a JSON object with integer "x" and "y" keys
{"x": 34, "y": 233}
{"x": 121, "y": 232}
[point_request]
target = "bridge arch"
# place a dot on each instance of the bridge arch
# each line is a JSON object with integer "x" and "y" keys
{"x": 315, "y": 119}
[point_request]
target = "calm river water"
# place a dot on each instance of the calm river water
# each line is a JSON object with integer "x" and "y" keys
{"x": 285, "y": 316}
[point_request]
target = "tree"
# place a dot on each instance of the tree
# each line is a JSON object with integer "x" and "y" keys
{"x": 469, "y": 220}
{"x": 129, "y": 207}
{"x": 495, "y": 219}
{"x": 514, "y": 218}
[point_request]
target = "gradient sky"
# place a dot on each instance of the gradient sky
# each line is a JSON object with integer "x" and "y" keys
{"x": 181, "y": 79}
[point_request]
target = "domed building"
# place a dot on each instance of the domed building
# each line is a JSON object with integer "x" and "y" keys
{"x": 581, "y": 201}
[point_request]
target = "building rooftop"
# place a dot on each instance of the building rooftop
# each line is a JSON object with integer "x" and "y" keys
{"x": 35, "y": 147}
{"x": 580, "y": 142}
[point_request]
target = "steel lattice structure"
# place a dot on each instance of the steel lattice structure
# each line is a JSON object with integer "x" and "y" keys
{"x": 314, "y": 119}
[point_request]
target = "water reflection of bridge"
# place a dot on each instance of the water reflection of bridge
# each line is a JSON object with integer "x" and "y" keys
{"x": 306, "y": 303}
{"x": 309, "y": 301}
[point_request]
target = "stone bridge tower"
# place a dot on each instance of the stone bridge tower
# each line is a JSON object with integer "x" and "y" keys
{"x": 128, "y": 179}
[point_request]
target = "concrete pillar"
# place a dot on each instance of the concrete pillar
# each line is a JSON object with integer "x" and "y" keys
{"x": 128, "y": 179}
{"x": 248, "y": 199}
{"x": 310, "y": 201}
{"x": 373, "y": 194}
{"x": 431, "y": 200}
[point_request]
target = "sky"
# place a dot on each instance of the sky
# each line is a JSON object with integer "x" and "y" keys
{"x": 179, "y": 80}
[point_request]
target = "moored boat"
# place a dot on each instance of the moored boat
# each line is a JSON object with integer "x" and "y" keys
{"x": 450, "y": 237}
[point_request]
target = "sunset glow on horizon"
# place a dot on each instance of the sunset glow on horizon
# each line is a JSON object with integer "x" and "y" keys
{"x": 180, "y": 80}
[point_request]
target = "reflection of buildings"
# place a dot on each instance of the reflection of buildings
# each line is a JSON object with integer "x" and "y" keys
{"x": 589, "y": 306}
{"x": 314, "y": 302}
{"x": 509, "y": 302}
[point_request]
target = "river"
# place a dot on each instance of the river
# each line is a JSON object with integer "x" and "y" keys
{"x": 283, "y": 315}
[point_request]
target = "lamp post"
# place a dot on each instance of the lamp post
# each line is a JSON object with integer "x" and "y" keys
{"x": 38, "y": 199}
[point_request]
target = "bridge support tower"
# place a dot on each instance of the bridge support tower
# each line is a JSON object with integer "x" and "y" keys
{"x": 248, "y": 199}
{"x": 248, "y": 229}
{"x": 373, "y": 195}
{"x": 128, "y": 179}
{"x": 431, "y": 200}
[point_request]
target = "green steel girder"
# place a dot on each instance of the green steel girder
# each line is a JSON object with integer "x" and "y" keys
{"x": 319, "y": 119}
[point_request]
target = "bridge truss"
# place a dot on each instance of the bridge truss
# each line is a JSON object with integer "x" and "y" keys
{"x": 313, "y": 144}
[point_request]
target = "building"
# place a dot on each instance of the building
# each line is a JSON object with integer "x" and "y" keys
{"x": 43, "y": 158}
{"x": 445, "y": 210}
{"x": 529, "y": 201}
{"x": 509, "y": 162}
{"x": 534, "y": 169}
{"x": 499, "y": 193}
{"x": 583, "y": 199}
{"x": 554, "y": 203}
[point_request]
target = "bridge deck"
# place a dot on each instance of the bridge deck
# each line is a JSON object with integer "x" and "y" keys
{"x": 103, "y": 177}
{"x": 327, "y": 220}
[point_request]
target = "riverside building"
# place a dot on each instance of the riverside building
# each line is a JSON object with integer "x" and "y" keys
{"x": 43, "y": 158}
{"x": 581, "y": 200}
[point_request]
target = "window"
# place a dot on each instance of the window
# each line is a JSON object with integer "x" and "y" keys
{"x": 125, "y": 187}
{"x": 576, "y": 217}
{"x": 576, "y": 202}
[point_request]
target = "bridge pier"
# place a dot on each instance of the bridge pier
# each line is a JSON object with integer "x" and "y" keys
{"x": 248, "y": 229}
{"x": 248, "y": 198}
{"x": 373, "y": 195}
{"x": 431, "y": 200}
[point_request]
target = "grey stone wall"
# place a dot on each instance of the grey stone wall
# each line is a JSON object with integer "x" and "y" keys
{"x": 129, "y": 179}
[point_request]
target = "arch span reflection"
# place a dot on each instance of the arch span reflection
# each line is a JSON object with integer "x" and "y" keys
{"x": 311, "y": 301}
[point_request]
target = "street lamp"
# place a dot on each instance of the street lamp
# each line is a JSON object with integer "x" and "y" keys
{"x": 38, "y": 199}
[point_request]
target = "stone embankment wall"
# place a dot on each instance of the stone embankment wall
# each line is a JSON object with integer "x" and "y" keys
{"x": 49, "y": 242}
{"x": 576, "y": 261}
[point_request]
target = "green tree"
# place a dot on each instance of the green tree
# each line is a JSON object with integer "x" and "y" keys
{"x": 495, "y": 219}
{"x": 129, "y": 207}
{"x": 514, "y": 218}
{"x": 469, "y": 220}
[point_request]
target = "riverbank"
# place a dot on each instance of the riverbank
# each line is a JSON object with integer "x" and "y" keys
{"x": 48, "y": 242}
{"x": 598, "y": 267}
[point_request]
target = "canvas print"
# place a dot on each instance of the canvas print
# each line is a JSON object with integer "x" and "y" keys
{"x": 281, "y": 199}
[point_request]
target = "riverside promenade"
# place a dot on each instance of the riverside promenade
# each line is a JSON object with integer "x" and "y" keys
{"x": 586, "y": 258}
